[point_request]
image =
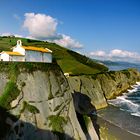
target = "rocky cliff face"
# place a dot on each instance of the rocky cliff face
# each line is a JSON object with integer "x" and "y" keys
{"x": 92, "y": 88}
{"x": 104, "y": 86}
{"x": 36, "y": 101}
{"x": 39, "y": 104}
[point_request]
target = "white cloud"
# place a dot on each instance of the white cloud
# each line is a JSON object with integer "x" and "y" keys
{"x": 40, "y": 25}
{"x": 6, "y": 34}
{"x": 17, "y": 35}
{"x": 44, "y": 27}
{"x": 68, "y": 42}
{"x": 122, "y": 53}
{"x": 11, "y": 34}
{"x": 98, "y": 53}
{"x": 116, "y": 54}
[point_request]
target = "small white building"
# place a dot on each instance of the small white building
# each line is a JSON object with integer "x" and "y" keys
{"x": 12, "y": 56}
{"x": 27, "y": 54}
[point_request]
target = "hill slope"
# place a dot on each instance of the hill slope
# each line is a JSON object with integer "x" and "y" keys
{"x": 69, "y": 61}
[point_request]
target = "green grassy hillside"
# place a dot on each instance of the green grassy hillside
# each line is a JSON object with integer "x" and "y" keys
{"x": 68, "y": 60}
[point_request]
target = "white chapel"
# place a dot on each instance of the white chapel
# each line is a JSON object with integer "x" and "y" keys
{"x": 27, "y": 54}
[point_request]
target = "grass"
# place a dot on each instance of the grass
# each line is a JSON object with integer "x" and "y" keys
{"x": 10, "y": 93}
{"x": 87, "y": 61}
{"x": 11, "y": 90}
{"x": 30, "y": 67}
{"x": 30, "y": 108}
{"x": 13, "y": 68}
{"x": 56, "y": 122}
{"x": 68, "y": 60}
{"x": 126, "y": 72}
{"x": 86, "y": 119}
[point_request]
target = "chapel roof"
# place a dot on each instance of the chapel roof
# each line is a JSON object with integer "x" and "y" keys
{"x": 13, "y": 53}
{"x": 37, "y": 49}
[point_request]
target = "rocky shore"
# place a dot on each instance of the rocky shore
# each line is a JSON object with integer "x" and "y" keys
{"x": 104, "y": 86}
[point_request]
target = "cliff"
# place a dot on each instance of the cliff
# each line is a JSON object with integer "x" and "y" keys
{"x": 36, "y": 101}
{"x": 103, "y": 86}
{"x": 36, "y": 104}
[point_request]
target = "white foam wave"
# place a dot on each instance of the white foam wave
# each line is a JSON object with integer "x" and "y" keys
{"x": 122, "y": 109}
{"x": 121, "y": 100}
{"x": 136, "y": 114}
{"x": 125, "y": 104}
{"x": 128, "y": 103}
{"x": 132, "y": 90}
{"x": 138, "y": 83}
{"x": 135, "y": 88}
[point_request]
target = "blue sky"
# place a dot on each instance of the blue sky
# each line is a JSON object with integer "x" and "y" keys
{"x": 107, "y": 29}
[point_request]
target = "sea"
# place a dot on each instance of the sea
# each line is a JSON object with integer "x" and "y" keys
{"x": 130, "y": 100}
{"x": 124, "y": 111}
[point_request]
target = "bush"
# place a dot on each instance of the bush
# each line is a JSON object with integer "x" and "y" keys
{"x": 86, "y": 119}
{"x": 13, "y": 68}
{"x": 56, "y": 122}
{"x": 126, "y": 72}
{"x": 10, "y": 93}
{"x": 30, "y": 108}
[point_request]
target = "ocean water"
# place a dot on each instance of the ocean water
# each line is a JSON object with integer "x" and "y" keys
{"x": 121, "y": 65}
{"x": 129, "y": 101}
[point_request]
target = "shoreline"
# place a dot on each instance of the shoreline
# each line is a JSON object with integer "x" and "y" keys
{"x": 117, "y": 125}
{"x": 109, "y": 131}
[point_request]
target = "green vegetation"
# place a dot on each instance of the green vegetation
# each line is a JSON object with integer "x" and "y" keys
{"x": 126, "y": 72}
{"x": 10, "y": 93}
{"x": 13, "y": 72}
{"x": 87, "y": 61}
{"x": 56, "y": 122}
{"x": 11, "y": 90}
{"x": 30, "y": 108}
{"x": 86, "y": 119}
{"x": 30, "y": 67}
{"x": 94, "y": 76}
{"x": 69, "y": 61}
{"x": 13, "y": 68}
{"x": 112, "y": 75}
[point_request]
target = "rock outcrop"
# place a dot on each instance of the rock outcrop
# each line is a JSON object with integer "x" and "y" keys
{"x": 39, "y": 98}
{"x": 103, "y": 86}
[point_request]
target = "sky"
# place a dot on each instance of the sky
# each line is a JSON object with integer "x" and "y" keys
{"x": 101, "y": 29}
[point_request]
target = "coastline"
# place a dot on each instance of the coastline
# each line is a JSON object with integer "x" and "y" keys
{"x": 116, "y": 124}
{"x": 129, "y": 101}
{"x": 109, "y": 131}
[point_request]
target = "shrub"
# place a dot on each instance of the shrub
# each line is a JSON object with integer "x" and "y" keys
{"x": 126, "y": 72}
{"x": 56, "y": 122}
{"x": 29, "y": 107}
{"x": 86, "y": 119}
{"x": 10, "y": 93}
